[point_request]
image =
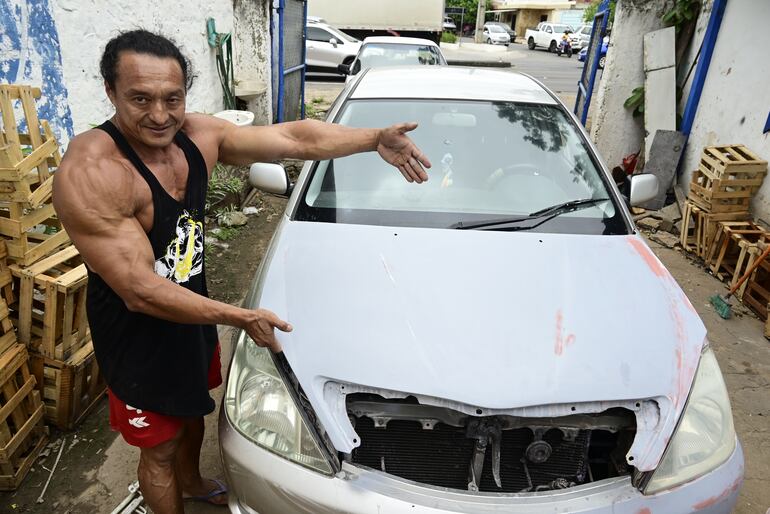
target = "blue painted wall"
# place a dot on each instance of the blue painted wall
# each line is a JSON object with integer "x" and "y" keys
{"x": 30, "y": 54}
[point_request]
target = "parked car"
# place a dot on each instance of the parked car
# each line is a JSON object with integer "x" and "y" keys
{"x": 327, "y": 47}
{"x": 546, "y": 35}
{"x": 509, "y": 30}
{"x": 581, "y": 37}
{"x": 496, "y": 35}
{"x": 468, "y": 344}
{"x": 449, "y": 24}
{"x": 602, "y": 53}
{"x": 388, "y": 51}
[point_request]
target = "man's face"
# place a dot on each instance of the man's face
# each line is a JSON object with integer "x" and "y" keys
{"x": 149, "y": 98}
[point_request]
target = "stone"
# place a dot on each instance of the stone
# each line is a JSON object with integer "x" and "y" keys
{"x": 233, "y": 219}
{"x": 664, "y": 238}
{"x": 250, "y": 211}
{"x": 649, "y": 223}
{"x": 671, "y": 213}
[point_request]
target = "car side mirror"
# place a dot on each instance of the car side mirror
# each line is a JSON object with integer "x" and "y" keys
{"x": 643, "y": 189}
{"x": 334, "y": 42}
{"x": 270, "y": 178}
{"x": 344, "y": 69}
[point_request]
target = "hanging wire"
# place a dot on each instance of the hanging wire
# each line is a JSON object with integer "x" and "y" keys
{"x": 223, "y": 46}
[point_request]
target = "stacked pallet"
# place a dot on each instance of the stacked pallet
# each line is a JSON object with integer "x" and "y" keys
{"x": 44, "y": 284}
{"x": 721, "y": 190}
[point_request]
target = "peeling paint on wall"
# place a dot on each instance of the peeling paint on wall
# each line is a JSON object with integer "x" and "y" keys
{"x": 30, "y": 54}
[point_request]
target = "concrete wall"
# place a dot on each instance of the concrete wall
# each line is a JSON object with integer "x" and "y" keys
{"x": 614, "y": 130}
{"x": 734, "y": 104}
{"x": 252, "y": 49}
{"x": 57, "y": 44}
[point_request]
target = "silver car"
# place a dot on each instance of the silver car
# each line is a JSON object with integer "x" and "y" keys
{"x": 327, "y": 47}
{"x": 495, "y": 35}
{"x": 469, "y": 344}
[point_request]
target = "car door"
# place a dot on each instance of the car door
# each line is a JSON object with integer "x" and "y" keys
{"x": 321, "y": 54}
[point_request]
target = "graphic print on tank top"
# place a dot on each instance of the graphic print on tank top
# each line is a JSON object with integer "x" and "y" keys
{"x": 184, "y": 254}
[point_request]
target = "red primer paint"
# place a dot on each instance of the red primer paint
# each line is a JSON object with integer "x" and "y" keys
{"x": 561, "y": 341}
{"x": 645, "y": 510}
{"x": 649, "y": 258}
{"x": 716, "y": 499}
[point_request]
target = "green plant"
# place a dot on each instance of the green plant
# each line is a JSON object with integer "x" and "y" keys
{"x": 636, "y": 101}
{"x": 221, "y": 184}
{"x": 310, "y": 111}
{"x": 682, "y": 12}
{"x": 448, "y": 37}
{"x": 317, "y": 100}
{"x": 471, "y": 9}
{"x": 226, "y": 233}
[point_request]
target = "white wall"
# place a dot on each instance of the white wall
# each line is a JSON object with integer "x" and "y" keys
{"x": 85, "y": 26}
{"x": 614, "y": 130}
{"x": 252, "y": 55}
{"x": 734, "y": 104}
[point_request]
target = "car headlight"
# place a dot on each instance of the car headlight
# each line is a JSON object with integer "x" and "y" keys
{"x": 705, "y": 437}
{"x": 259, "y": 406}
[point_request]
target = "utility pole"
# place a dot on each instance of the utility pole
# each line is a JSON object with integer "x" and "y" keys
{"x": 480, "y": 15}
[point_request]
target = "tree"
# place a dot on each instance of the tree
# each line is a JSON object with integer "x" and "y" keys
{"x": 471, "y": 6}
{"x": 590, "y": 11}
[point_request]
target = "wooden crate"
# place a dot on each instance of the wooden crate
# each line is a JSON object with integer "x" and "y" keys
{"x": 699, "y": 227}
{"x": 756, "y": 293}
{"x": 50, "y": 312}
{"x": 22, "y": 432}
{"x": 726, "y": 254}
{"x": 71, "y": 388}
{"x": 727, "y": 178}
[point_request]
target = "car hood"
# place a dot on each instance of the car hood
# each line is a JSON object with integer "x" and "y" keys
{"x": 482, "y": 321}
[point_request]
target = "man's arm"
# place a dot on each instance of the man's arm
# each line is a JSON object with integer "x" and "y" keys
{"x": 95, "y": 205}
{"x": 316, "y": 140}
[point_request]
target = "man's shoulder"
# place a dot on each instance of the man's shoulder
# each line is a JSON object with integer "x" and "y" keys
{"x": 93, "y": 153}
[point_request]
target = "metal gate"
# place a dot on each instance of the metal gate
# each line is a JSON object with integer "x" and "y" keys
{"x": 588, "y": 78}
{"x": 289, "y": 59}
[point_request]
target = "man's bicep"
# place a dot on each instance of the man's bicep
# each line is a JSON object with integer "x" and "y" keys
{"x": 245, "y": 145}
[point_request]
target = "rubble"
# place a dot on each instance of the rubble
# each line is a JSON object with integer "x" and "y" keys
{"x": 233, "y": 219}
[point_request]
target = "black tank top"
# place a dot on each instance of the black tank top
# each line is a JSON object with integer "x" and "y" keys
{"x": 151, "y": 363}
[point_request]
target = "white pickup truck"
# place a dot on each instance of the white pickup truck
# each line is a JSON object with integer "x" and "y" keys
{"x": 546, "y": 35}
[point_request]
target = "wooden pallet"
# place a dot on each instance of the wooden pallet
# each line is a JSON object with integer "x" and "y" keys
{"x": 71, "y": 388}
{"x": 726, "y": 249}
{"x": 756, "y": 293}
{"x": 22, "y": 432}
{"x": 699, "y": 227}
{"x": 50, "y": 313}
{"x": 727, "y": 179}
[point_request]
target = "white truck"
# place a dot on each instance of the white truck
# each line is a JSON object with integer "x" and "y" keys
{"x": 363, "y": 18}
{"x": 546, "y": 35}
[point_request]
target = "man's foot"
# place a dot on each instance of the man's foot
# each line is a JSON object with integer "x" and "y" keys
{"x": 210, "y": 491}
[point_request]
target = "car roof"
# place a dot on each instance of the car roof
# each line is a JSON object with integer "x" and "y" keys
{"x": 398, "y": 40}
{"x": 450, "y": 82}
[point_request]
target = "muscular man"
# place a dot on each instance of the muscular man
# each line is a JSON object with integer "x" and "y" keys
{"x": 131, "y": 195}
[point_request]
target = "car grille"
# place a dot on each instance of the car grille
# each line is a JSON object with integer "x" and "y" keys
{"x": 441, "y": 456}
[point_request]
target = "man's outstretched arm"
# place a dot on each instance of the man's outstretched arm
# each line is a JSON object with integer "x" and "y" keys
{"x": 317, "y": 140}
{"x": 95, "y": 205}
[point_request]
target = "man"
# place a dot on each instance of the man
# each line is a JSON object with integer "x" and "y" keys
{"x": 131, "y": 195}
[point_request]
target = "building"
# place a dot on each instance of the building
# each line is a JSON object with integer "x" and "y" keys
{"x": 526, "y": 14}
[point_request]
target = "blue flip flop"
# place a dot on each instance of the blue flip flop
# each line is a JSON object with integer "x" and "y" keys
{"x": 220, "y": 489}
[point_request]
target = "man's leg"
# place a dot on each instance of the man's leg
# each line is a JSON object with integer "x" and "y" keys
{"x": 188, "y": 463}
{"x": 157, "y": 477}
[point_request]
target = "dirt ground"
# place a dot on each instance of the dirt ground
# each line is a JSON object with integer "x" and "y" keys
{"x": 96, "y": 465}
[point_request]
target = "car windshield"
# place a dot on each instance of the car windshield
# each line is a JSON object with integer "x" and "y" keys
{"x": 562, "y": 28}
{"x": 490, "y": 160}
{"x": 495, "y": 28}
{"x": 349, "y": 39}
{"x": 377, "y": 55}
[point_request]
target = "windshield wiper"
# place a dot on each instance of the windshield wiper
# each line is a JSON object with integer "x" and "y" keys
{"x": 548, "y": 213}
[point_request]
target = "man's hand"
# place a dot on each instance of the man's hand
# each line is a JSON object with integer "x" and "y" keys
{"x": 259, "y": 325}
{"x": 397, "y": 149}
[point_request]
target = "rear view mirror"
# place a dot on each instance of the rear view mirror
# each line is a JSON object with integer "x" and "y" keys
{"x": 334, "y": 42}
{"x": 270, "y": 178}
{"x": 643, "y": 189}
{"x": 344, "y": 69}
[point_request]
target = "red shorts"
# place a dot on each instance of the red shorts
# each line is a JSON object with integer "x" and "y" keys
{"x": 146, "y": 429}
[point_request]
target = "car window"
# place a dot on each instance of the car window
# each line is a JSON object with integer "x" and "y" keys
{"x": 561, "y": 28}
{"x": 548, "y": 29}
{"x": 377, "y": 55}
{"x": 496, "y": 28}
{"x": 342, "y": 36}
{"x": 490, "y": 159}
{"x": 317, "y": 34}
